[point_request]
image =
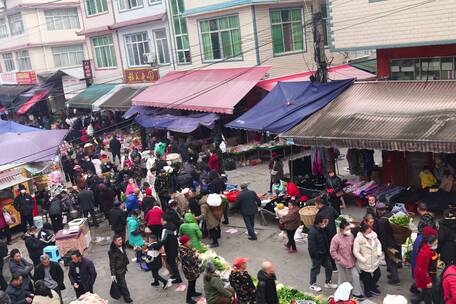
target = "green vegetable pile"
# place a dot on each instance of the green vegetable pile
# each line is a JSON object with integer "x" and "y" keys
{"x": 218, "y": 263}
{"x": 400, "y": 219}
{"x": 287, "y": 295}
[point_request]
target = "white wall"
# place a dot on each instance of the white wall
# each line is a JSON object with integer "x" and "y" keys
{"x": 146, "y": 11}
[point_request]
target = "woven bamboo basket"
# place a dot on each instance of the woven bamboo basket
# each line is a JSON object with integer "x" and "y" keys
{"x": 308, "y": 215}
{"x": 217, "y": 212}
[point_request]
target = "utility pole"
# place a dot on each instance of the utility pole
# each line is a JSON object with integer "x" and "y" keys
{"x": 319, "y": 43}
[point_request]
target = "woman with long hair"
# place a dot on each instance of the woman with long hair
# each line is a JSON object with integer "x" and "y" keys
{"x": 44, "y": 295}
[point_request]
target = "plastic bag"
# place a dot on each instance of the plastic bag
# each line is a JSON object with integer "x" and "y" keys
{"x": 399, "y": 208}
{"x": 114, "y": 292}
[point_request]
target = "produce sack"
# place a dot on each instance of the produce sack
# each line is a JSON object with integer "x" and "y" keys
{"x": 114, "y": 292}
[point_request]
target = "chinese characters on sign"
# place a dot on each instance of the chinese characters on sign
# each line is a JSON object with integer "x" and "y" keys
{"x": 141, "y": 75}
{"x": 18, "y": 78}
{"x": 88, "y": 76}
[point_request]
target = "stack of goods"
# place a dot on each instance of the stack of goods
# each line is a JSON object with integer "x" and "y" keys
{"x": 400, "y": 224}
{"x": 54, "y": 178}
{"x": 90, "y": 298}
{"x": 220, "y": 263}
{"x": 215, "y": 204}
{"x": 289, "y": 295}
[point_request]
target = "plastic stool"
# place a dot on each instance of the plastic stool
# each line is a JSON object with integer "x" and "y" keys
{"x": 52, "y": 252}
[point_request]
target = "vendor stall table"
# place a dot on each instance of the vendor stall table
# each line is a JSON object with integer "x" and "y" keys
{"x": 70, "y": 241}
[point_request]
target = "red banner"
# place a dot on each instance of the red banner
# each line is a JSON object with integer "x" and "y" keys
{"x": 141, "y": 75}
{"x": 26, "y": 77}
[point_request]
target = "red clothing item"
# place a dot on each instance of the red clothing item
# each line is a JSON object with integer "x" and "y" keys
{"x": 449, "y": 285}
{"x": 331, "y": 301}
{"x": 293, "y": 190}
{"x": 214, "y": 163}
{"x": 423, "y": 260}
{"x": 154, "y": 216}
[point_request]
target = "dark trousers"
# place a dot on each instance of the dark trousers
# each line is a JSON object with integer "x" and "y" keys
{"x": 425, "y": 296}
{"x": 157, "y": 277}
{"x": 317, "y": 262}
{"x": 214, "y": 233}
{"x": 370, "y": 280}
{"x": 191, "y": 290}
{"x": 249, "y": 221}
{"x": 26, "y": 219}
{"x": 80, "y": 291}
{"x": 92, "y": 214}
{"x": 5, "y": 233}
{"x": 391, "y": 267}
{"x": 70, "y": 177}
{"x": 156, "y": 230}
{"x": 164, "y": 202}
{"x": 114, "y": 154}
{"x": 59, "y": 292}
{"x": 122, "y": 285}
{"x": 291, "y": 241}
{"x": 57, "y": 222}
{"x": 173, "y": 267}
{"x": 226, "y": 208}
{"x": 3, "y": 283}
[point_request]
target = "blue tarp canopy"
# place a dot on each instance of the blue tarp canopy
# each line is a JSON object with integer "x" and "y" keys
{"x": 150, "y": 118}
{"x": 13, "y": 127}
{"x": 288, "y": 104}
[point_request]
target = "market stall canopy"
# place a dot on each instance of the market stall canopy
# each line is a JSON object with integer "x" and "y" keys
{"x": 334, "y": 73}
{"x": 9, "y": 93}
{"x": 139, "y": 110}
{"x": 395, "y": 116}
{"x": 86, "y": 98}
{"x": 31, "y": 146}
{"x": 121, "y": 100}
{"x": 365, "y": 64}
{"x": 7, "y": 126}
{"x": 288, "y": 104}
{"x": 208, "y": 90}
{"x": 181, "y": 124}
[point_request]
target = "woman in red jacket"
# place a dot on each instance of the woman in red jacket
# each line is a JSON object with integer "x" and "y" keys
{"x": 424, "y": 261}
{"x": 214, "y": 162}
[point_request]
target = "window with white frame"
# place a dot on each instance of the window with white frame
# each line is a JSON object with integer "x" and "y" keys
{"x": 130, "y": 4}
{"x": 95, "y": 7}
{"x": 3, "y": 28}
{"x": 15, "y": 24}
{"x": 153, "y": 2}
{"x": 68, "y": 55}
{"x": 62, "y": 19}
{"x": 221, "y": 38}
{"x": 23, "y": 60}
{"x": 287, "y": 31}
{"x": 105, "y": 56}
{"x": 181, "y": 33}
{"x": 8, "y": 62}
{"x": 161, "y": 42}
{"x": 137, "y": 45}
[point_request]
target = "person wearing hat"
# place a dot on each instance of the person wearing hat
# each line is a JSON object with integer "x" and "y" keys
{"x": 190, "y": 267}
{"x": 118, "y": 219}
{"x": 248, "y": 202}
{"x": 191, "y": 229}
{"x": 214, "y": 289}
{"x": 211, "y": 219}
{"x": 24, "y": 204}
{"x": 242, "y": 282}
{"x": 425, "y": 270}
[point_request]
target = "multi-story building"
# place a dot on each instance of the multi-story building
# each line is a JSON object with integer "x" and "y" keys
{"x": 221, "y": 33}
{"x": 414, "y": 40}
{"x": 39, "y": 36}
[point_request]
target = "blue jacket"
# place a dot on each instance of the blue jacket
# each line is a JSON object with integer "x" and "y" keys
{"x": 415, "y": 249}
{"x": 131, "y": 203}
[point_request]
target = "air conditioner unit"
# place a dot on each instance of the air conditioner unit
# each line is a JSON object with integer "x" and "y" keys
{"x": 150, "y": 58}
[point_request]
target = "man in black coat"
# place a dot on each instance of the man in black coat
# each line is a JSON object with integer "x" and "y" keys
{"x": 266, "y": 290}
{"x": 118, "y": 261}
{"x": 51, "y": 273}
{"x": 115, "y": 146}
{"x": 118, "y": 219}
{"x": 56, "y": 213}
{"x": 172, "y": 216}
{"x": 171, "y": 245}
{"x": 34, "y": 245}
{"x": 248, "y": 203}
{"x": 329, "y": 213}
{"x": 82, "y": 274}
{"x": 86, "y": 201}
{"x": 24, "y": 204}
{"x": 3, "y": 254}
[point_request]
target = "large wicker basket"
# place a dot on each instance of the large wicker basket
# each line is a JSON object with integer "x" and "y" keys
{"x": 308, "y": 215}
{"x": 217, "y": 212}
{"x": 400, "y": 233}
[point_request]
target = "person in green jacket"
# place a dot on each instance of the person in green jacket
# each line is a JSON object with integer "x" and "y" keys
{"x": 214, "y": 289}
{"x": 190, "y": 228}
{"x": 134, "y": 234}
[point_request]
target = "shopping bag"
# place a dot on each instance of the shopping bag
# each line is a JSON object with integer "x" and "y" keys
{"x": 9, "y": 219}
{"x": 114, "y": 291}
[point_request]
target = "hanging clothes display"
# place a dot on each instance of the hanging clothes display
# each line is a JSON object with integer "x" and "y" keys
{"x": 317, "y": 163}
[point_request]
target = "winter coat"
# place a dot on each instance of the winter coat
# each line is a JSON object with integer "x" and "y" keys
{"x": 206, "y": 214}
{"x": 133, "y": 225}
{"x": 87, "y": 273}
{"x": 189, "y": 261}
{"x": 172, "y": 216}
{"x": 214, "y": 163}
{"x": 214, "y": 289}
{"x": 216, "y": 186}
{"x": 367, "y": 253}
{"x": 86, "y": 200}
{"x": 318, "y": 243}
{"x": 115, "y": 145}
{"x": 248, "y": 202}
{"x": 154, "y": 216}
{"x": 449, "y": 285}
{"x": 24, "y": 269}
{"x": 106, "y": 199}
{"x": 447, "y": 240}
{"x": 118, "y": 260}
{"x": 117, "y": 219}
{"x": 266, "y": 289}
{"x": 34, "y": 247}
{"x": 334, "y": 183}
{"x": 153, "y": 257}
{"x": 292, "y": 220}
{"x": 276, "y": 166}
{"x": 182, "y": 203}
{"x": 331, "y": 214}
{"x": 56, "y": 207}
{"x": 384, "y": 232}
{"x": 17, "y": 295}
{"x": 192, "y": 230}
{"x": 242, "y": 283}
{"x": 132, "y": 203}
{"x": 147, "y": 203}
{"x": 24, "y": 204}
{"x": 293, "y": 190}
{"x": 422, "y": 272}
{"x": 341, "y": 250}
{"x": 56, "y": 273}
{"x": 169, "y": 240}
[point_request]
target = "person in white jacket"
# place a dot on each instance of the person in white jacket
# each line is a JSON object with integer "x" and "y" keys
{"x": 368, "y": 250}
